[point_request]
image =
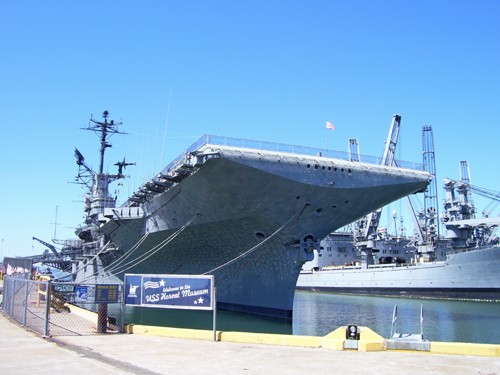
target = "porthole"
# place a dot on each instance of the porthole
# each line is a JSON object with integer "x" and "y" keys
{"x": 260, "y": 236}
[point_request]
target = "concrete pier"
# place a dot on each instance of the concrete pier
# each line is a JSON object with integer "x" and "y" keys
{"x": 148, "y": 351}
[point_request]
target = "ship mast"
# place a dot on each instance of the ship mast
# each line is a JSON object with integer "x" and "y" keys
{"x": 98, "y": 182}
{"x": 106, "y": 130}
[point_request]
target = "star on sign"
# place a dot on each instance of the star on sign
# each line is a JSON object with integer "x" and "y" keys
{"x": 162, "y": 283}
{"x": 198, "y": 301}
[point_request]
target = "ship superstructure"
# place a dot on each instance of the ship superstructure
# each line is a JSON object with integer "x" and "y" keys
{"x": 94, "y": 250}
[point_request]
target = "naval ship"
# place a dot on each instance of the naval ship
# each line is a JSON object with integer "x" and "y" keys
{"x": 469, "y": 269}
{"x": 248, "y": 212}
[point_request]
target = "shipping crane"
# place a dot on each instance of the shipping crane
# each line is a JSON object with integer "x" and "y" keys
{"x": 365, "y": 234}
{"x": 50, "y": 246}
{"x": 425, "y": 220}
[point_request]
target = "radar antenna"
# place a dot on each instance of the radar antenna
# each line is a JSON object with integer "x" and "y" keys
{"x": 104, "y": 129}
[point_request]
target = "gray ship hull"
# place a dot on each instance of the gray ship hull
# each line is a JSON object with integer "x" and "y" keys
{"x": 251, "y": 219}
{"x": 472, "y": 274}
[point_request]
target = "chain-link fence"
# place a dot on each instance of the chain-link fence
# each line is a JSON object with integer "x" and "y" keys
{"x": 62, "y": 308}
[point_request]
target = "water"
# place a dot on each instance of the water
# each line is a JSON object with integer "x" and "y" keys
{"x": 453, "y": 321}
{"x": 318, "y": 314}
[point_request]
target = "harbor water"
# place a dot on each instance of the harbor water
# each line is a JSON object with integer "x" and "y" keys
{"x": 318, "y": 314}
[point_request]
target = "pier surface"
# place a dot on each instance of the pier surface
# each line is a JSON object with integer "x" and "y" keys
{"x": 23, "y": 352}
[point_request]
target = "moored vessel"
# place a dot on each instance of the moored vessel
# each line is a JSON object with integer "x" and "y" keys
{"x": 469, "y": 269}
{"x": 248, "y": 212}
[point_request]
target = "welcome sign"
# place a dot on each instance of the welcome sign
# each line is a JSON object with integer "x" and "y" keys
{"x": 194, "y": 292}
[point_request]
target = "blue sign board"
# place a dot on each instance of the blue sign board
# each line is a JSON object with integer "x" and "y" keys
{"x": 194, "y": 292}
{"x": 81, "y": 293}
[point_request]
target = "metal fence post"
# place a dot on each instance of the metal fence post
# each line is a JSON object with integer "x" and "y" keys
{"x": 47, "y": 308}
{"x": 12, "y": 297}
{"x": 26, "y": 295}
{"x": 122, "y": 309}
{"x": 7, "y": 296}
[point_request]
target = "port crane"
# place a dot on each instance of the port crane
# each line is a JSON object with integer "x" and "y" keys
{"x": 426, "y": 221}
{"x": 50, "y": 246}
{"x": 426, "y": 224}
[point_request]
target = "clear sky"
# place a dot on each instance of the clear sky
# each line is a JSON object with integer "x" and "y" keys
{"x": 266, "y": 70}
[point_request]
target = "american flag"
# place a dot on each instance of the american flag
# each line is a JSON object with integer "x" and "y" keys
{"x": 329, "y": 125}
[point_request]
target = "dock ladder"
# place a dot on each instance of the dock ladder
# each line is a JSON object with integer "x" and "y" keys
{"x": 407, "y": 341}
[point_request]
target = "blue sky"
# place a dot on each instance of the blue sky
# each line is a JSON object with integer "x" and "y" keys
{"x": 267, "y": 70}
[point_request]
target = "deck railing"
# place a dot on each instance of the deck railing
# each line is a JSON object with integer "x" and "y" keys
{"x": 281, "y": 147}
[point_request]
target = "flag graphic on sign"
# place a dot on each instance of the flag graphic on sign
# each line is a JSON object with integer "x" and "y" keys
{"x": 329, "y": 125}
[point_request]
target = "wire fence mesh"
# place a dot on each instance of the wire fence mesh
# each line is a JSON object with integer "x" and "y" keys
{"x": 64, "y": 309}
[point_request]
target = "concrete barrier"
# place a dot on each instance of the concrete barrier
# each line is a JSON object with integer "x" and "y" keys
{"x": 271, "y": 339}
{"x": 462, "y": 348}
{"x": 369, "y": 340}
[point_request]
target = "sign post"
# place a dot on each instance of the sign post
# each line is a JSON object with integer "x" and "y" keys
{"x": 105, "y": 293}
{"x": 215, "y": 313}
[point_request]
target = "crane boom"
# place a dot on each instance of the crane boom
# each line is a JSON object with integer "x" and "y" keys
{"x": 50, "y": 246}
{"x": 373, "y": 219}
{"x": 486, "y": 193}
